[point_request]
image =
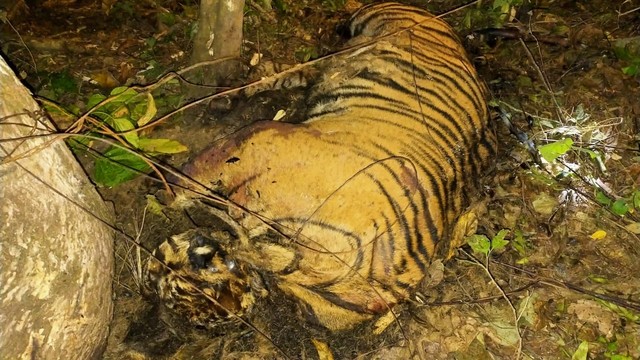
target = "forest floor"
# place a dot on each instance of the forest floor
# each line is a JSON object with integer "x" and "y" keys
{"x": 567, "y": 74}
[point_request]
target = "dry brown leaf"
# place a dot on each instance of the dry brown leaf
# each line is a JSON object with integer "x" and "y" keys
{"x": 591, "y": 312}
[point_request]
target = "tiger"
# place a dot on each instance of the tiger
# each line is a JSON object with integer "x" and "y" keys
{"x": 344, "y": 211}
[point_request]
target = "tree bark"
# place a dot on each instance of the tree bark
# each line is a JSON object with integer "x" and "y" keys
{"x": 219, "y": 35}
{"x": 56, "y": 249}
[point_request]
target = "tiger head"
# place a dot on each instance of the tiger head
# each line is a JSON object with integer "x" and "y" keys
{"x": 194, "y": 275}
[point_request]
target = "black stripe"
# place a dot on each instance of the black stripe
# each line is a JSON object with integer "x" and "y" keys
{"x": 429, "y": 222}
{"x": 444, "y": 134}
{"x": 384, "y": 248}
{"x": 377, "y": 16}
{"x": 402, "y": 218}
{"x": 430, "y": 68}
{"x": 331, "y": 297}
{"x": 303, "y": 221}
{"x": 459, "y": 132}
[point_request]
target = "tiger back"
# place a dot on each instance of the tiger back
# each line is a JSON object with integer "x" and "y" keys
{"x": 345, "y": 211}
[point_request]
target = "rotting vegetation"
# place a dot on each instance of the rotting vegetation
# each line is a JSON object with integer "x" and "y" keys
{"x": 557, "y": 253}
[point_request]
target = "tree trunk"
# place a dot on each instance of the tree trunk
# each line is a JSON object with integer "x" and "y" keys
{"x": 219, "y": 35}
{"x": 56, "y": 249}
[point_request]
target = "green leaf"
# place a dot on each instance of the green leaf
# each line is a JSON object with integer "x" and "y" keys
{"x": 622, "y": 52}
{"x": 631, "y": 70}
{"x": 281, "y": 5}
{"x": 560, "y": 30}
{"x": 160, "y": 146}
{"x": 467, "y": 20}
{"x": 636, "y": 199}
{"x": 519, "y": 242}
{"x": 620, "y": 207}
{"x": 123, "y": 91}
{"x": 170, "y": 101}
{"x": 552, "y": 151}
{"x": 498, "y": 242}
{"x": 582, "y": 351}
{"x": 598, "y": 279}
{"x": 94, "y": 100}
{"x": 501, "y": 3}
{"x": 124, "y": 124}
{"x": 122, "y": 95}
{"x": 150, "y": 111}
{"x": 479, "y": 244}
{"x": 79, "y": 144}
{"x": 620, "y": 357}
{"x": 121, "y": 124}
{"x": 166, "y": 18}
{"x": 611, "y": 346}
{"x": 524, "y": 81}
{"x": 151, "y": 42}
{"x": 592, "y": 154}
{"x": 630, "y": 315}
{"x": 602, "y": 198}
{"x": 154, "y": 206}
{"x": 118, "y": 166}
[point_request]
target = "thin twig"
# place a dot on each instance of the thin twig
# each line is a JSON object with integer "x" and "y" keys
{"x": 544, "y": 79}
{"x": 516, "y": 316}
{"x": 628, "y": 12}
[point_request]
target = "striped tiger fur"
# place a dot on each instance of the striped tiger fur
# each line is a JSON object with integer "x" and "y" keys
{"x": 345, "y": 211}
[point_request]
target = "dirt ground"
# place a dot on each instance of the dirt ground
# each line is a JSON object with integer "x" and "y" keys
{"x": 566, "y": 284}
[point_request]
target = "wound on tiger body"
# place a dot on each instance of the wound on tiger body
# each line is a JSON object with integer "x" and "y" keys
{"x": 344, "y": 212}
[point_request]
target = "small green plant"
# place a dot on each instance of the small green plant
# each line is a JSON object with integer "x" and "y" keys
{"x": 123, "y": 112}
{"x": 628, "y": 50}
{"x": 495, "y": 14}
{"x": 521, "y": 245}
{"x": 612, "y": 350}
{"x": 58, "y": 84}
{"x": 481, "y": 244}
{"x": 553, "y": 150}
{"x": 306, "y": 53}
{"x": 621, "y": 206}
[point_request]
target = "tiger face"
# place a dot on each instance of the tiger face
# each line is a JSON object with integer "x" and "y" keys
{"x": 195, "y": 276}
{"x": 345, "y": 211}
